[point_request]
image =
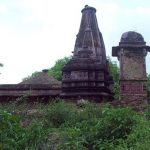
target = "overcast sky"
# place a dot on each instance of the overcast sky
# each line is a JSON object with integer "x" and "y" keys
{"x": 35, "y": 33}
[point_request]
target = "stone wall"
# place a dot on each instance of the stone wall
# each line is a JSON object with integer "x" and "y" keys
{"x": 34, "y": 91}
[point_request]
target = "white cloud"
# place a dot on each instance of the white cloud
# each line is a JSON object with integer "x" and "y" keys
{"x": 143, "y": 10}
{"x": 108, "y": 8}
{"x": 3, "y": 8}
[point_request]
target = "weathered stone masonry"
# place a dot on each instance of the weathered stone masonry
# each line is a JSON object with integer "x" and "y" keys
{"x": 86, "y": 75}
{"x": 131, "y": 54}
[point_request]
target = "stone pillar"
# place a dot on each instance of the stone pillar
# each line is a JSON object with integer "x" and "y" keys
{"x": 131, "y": 54}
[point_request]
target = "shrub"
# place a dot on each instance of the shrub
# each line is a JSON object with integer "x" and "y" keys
{"x": 34, "y": 136}
{"x": 10, "y": 131}
{"x": 13, "y": 136}
{"x": 106, "y": 131}
{"x": 58, "y": 113}
{"x": 61, "y": 125}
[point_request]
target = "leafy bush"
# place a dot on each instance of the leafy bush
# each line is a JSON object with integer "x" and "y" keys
{"x": 58, "y": 114}
{"x": 60, "y": 125}
{"x": 33, "y": 137}
{"x": 10, "y": 131}
{"x": 106, "y": 131}
{"x": 14, "y": 136}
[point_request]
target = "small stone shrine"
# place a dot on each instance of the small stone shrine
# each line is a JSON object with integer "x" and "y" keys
{"x": 86, "y": 75}
{"x": 131, "y": 54}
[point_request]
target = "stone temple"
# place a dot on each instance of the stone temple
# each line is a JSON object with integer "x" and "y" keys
{"x": 86, "y": 75}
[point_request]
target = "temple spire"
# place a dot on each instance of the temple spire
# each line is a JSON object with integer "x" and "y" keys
{"x": 89, "y": 35}
{"x": 86, "y": 74}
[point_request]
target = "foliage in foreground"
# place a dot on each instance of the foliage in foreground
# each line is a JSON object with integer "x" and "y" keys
{"x": 64, "y": 126}
{"x": 14, "y": 137}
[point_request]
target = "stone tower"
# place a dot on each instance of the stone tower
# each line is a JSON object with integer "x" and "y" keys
{"x": 86, "y": 75}
{"x": 131, "y": 54}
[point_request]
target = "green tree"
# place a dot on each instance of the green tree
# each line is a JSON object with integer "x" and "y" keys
{"x": 56, "y": 70}
{"x": 36, "y": 73}
{"x": 1, "y": 65}
{"x": 114, "y": 71}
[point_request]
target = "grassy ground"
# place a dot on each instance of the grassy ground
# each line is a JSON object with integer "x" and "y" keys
{"x": 65, "y": 126}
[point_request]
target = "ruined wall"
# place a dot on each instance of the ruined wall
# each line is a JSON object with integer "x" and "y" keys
{"x": 33, "y": 91}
